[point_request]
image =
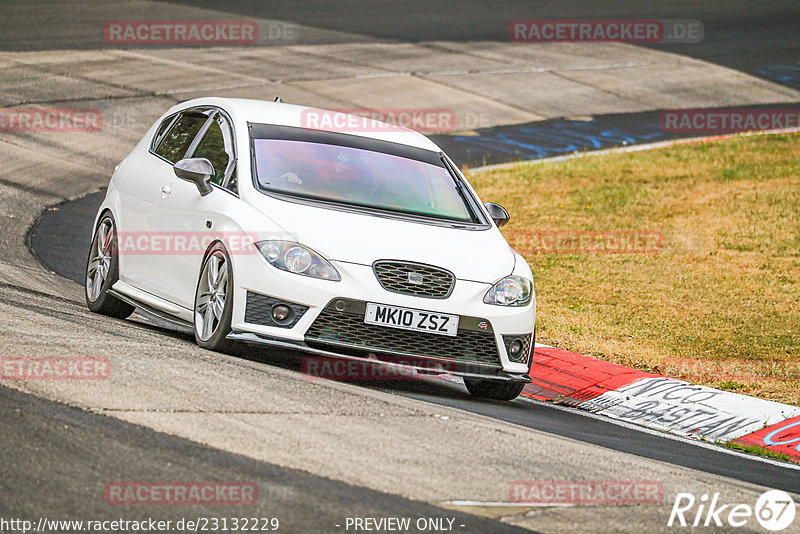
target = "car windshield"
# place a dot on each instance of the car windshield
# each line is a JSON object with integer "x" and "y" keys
{"x": 359, "y": 177}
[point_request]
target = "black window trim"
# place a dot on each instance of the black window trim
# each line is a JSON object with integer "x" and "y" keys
{"x": 466, "y": 195}
{"x": 154, "y": 145}
{"x": 198, "y": 137}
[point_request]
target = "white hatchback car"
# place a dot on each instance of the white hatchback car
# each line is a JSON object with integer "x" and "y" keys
{"x": 236, "y": 219}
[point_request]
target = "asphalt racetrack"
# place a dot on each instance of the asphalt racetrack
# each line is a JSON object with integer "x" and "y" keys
{"x": 59, "y": 238}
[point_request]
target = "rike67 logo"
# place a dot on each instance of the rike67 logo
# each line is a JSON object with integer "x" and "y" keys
{"x": 774, "y": 510}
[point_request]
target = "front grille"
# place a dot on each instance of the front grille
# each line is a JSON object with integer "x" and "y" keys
{"x": 414, "y": 279}
{"x": 341, "y": 324}
{"x": 258, "y": 310}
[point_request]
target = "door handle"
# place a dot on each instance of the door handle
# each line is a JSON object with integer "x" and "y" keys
{"x": 166, "y": 190}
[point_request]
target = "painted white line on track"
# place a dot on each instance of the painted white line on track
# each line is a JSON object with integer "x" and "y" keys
{"x": 503, "y": 70}
{"x": 631, "y": 148}
{"x": 510, "y": 504}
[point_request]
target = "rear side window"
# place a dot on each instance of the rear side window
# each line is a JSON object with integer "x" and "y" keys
{"x": 175, "y": 143}
{"x": 162, "y": 129}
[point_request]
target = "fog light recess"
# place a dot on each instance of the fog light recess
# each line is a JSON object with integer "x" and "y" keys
{"x": 282, "y": 314}
{"x": 518, "y": 347}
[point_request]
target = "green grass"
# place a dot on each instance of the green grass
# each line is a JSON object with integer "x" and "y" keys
{"x": 718, "y": 302}
{"x": 730, "y": 385}
{"x": 759, "y": 451}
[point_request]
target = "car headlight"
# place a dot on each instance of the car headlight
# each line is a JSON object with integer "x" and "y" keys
{"x": 510, "y": 291}
{"x": 295, "y": 258}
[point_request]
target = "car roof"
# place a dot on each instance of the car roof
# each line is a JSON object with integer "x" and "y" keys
{"x": 283, "y": 114}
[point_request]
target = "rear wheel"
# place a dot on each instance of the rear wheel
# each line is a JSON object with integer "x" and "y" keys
{"x": 213, "y": 302}
{"x": 102, "y": 271}
{"x": 492, "y": 389}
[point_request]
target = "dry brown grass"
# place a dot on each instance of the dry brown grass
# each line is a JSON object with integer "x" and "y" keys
{"x": 719, "y": 304}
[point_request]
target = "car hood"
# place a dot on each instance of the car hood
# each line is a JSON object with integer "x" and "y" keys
{"x": 355, "y": 237}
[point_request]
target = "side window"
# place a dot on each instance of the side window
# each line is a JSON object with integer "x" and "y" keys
{"x": 162, "y": 129}
{"x": 216, "y": 147}
{"x": 175, "y": 143}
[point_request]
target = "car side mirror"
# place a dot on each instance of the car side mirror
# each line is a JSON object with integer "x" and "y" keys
{"x": 196, "y": 170}
{"x": 498, "y": 213}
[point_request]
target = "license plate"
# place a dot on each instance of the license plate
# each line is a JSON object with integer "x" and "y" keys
{"x": 409, "y": 319}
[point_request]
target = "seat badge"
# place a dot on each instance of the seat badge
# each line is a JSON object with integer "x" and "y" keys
{"x": 415, "y": 278}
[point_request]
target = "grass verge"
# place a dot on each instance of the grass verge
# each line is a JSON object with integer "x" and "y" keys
{"x": 707, "y": 288}
{"x": 759, "y": 451}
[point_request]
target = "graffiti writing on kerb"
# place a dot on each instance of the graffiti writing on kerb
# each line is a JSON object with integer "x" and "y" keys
{"x": 785, "y": 74}
{"x": 555, "y": 138}
{"x": 683, "y": 408}
{"x": 782, "y": 436}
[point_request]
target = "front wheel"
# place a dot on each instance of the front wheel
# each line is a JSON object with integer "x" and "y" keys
{"x": 492, "y": 389}
{"x": 213, "y": 301}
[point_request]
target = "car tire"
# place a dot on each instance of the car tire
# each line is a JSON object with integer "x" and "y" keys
{"x": 212, "y": 319}
{"x": 494, "y": 390}
{"x": 102, "y": 271}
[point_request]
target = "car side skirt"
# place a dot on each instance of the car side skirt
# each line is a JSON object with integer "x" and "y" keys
{"x": 155, "y": 315}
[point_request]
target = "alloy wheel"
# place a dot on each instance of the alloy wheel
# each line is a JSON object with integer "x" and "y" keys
{"x": 212, "y": 291}
{"x": 99, "y": 265}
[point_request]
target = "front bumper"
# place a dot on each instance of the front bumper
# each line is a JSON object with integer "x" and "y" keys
{"x": 330, "y": 322}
